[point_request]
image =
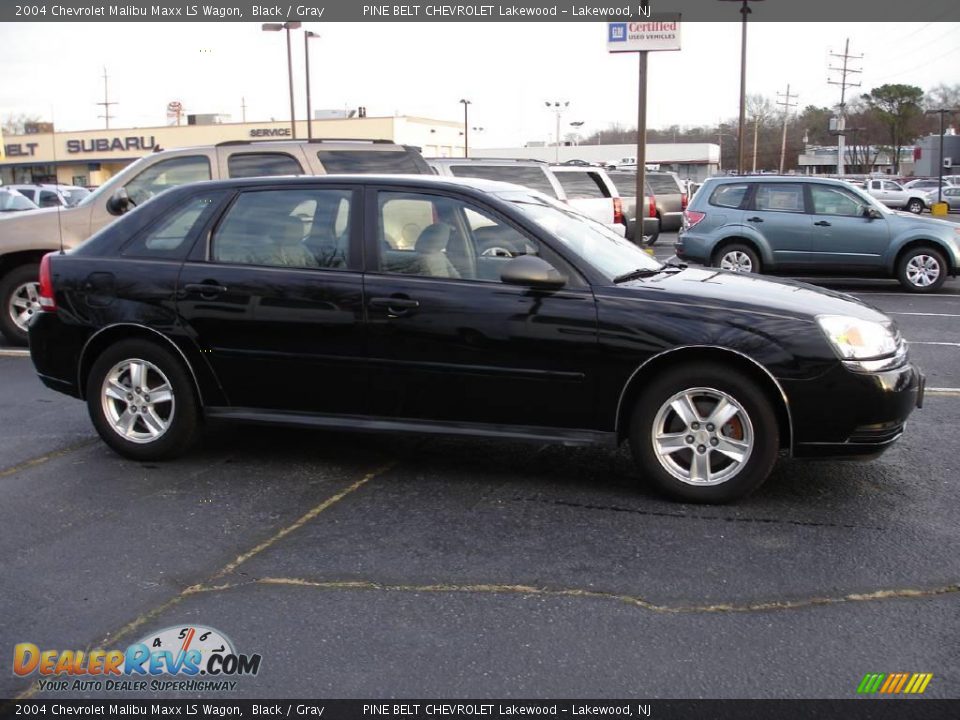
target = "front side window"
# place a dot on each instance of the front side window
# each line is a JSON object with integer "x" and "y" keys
{"x": 48, "y": 199}
{"x": 663, "y": 184}
{"x": 779, "y": 197}
{"x": 729, "y": 196}
{"x": 244, "y": 165}
{"x": 836, "y": 201}
{"x": 300, "y": 228}
{"x": 438, "y": 236}
{"x": 166, "y": 174}
{"x": 532, "y": 177}
{"x": 887, "y": 185}
{"x": 171, "y": 237}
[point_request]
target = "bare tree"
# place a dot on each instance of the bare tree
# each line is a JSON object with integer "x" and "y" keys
{"x": 13, "y": 124}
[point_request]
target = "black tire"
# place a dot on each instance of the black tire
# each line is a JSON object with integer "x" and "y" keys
{"x": 916, "y": 206}
{"x": 181, "y": 416}
{"x": 745, "y": 250}
{"x": 652, "y": 239}
{"x": 10, "y": 284}
{"x": 757, "y": 427}
{"x": 916, "y": 259}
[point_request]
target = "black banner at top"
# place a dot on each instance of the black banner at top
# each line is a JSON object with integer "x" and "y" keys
{"x": 865, "y": 11}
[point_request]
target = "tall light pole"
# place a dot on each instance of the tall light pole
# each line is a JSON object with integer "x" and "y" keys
{"x": 941, "y": 112}
{"x": 577, "y": 124}
{"x": 307, "y": 36}
{"x": 559, "y": 107}
{"x": 466, "y": 129}
{"x": 744, "y": 11}
{"x": 288, "y": 26}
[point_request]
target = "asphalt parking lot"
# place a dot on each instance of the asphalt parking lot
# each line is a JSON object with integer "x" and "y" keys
{"x": 369, "y": 566}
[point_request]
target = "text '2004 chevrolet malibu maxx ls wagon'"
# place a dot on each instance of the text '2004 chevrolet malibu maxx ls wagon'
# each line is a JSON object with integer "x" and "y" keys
{"x": 368, "y": 303}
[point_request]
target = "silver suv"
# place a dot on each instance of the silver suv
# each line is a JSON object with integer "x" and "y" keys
{"x": 26, "y": 238}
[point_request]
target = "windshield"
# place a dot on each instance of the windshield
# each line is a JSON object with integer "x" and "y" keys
{"x": 114, "y": 182}
{"x": 10, "y": 202}
{"x": 74, "y": 195}
{"x": 590, "y": 240}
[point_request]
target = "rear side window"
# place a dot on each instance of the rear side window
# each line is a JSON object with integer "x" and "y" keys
{"x": 532, "y": 177}
{"x": 729, "y": 196}
{"x": 365, "y": 162}
{"x": 779, "y": 197}
{"x": 580, "y": 185}
{"x": 663, "y": 184}
{"x": 244, "y": 165}
{"x": 172, "y": 236}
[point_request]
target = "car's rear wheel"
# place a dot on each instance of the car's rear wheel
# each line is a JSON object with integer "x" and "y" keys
{"x": 915, "y": 206}
{"x": 922, "y": 269}
{"x": 141, "y": 401}
{"x": 738, "y": 258}
{"x": 651, "y": 239}
{"x": 704, "y": 433}
{"x": 20, "y": 301}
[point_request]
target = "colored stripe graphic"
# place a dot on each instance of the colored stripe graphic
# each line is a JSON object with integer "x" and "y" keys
{"x": 894, "y": 683}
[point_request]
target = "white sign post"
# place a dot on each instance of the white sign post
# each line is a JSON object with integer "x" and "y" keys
{"x": 642, "y": 37}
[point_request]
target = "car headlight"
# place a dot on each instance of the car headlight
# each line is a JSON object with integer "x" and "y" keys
{"x": 864, "y": 345}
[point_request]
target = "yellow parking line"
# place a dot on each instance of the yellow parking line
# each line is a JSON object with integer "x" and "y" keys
{"x": 5, "y": 352}
{"x": 33, "y": 462}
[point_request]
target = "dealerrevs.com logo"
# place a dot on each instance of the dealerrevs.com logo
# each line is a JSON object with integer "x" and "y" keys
{"x": 199, "y": 657}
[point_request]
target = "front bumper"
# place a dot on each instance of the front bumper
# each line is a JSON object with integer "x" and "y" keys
{"x": 850, "y": 414}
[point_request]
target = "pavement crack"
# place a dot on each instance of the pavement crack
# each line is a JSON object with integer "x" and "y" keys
{"x": 634, "y": 600}
{"x": 695, "y": 516}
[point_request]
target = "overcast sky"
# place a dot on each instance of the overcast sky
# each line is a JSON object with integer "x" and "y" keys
{"x": 507, "y": 70}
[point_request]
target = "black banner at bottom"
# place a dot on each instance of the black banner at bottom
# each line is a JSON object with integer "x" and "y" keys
{"x": 859, "y": 709}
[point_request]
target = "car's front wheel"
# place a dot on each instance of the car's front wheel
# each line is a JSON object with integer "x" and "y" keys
{"x": 922, "y": 269}
{"x": 739, "y": 258}
{"x": 20, "y": 301}
{"x": 704, "y": 433}
{"x": 141, "y": 401}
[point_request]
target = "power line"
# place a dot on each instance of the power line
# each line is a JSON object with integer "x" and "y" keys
{"x": 919, "y": 67}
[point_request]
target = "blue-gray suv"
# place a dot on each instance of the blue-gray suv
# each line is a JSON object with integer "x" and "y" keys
{"x": 811, "y": 226}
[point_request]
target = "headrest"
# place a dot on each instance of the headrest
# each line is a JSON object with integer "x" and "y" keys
{"x": 433, "y": 238}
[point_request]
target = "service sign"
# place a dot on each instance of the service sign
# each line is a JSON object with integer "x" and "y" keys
{"x": 662, "y": 34}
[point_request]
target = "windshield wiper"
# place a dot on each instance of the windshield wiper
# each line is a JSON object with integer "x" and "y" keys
{"x": 636, "y": 275}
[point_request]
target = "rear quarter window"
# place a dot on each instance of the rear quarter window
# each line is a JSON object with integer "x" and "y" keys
{"x": 729, "y": 195}
{"x": 581, "y": 185}
{"x": 532, "y": 177}
{"x": 171, "y": 236}
{"x": 365, "y": 162}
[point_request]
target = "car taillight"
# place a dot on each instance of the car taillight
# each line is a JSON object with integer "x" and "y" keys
{"x": 653, "y": 207}
{"x": 617, "y": 211}
{"x": 48, "y": 302}
{"x": 691, "y": 218}
{"x": 683, "y": 201}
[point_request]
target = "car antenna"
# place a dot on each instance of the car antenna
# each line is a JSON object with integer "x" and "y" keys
{"x": 53, "y": 142}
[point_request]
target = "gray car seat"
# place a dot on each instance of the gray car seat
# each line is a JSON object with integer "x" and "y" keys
{"x": 430, "y": 249}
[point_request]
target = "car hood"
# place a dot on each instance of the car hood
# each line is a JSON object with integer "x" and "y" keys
{"x": 707, "y": 287}
{"x": 905, "y": 220}
{"x": 43, "y": 229}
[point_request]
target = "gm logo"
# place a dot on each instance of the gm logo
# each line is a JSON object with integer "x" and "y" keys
{"x": 617, "y": 32}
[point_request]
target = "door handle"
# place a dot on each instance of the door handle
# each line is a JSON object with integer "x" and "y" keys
{"x": 755, "y": 219}
{"x": 205, "y": 289}
{"x": 822, "y": 223}
{"x": 395, "y": 306}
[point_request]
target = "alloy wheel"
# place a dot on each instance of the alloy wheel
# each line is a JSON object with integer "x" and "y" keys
{"x": 702, "y": 436}
{"x": 923, "y": 270}
{"x": 24, "y": 304}
{"x": 137, "y": 400}
{"x": 737, "y": 261}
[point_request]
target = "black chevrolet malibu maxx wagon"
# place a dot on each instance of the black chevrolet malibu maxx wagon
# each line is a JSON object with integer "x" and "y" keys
{"x": 458, "y": 307}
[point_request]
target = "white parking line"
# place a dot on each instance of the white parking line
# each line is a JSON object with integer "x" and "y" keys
{"x": 4, "y": 352}
{"x": 934, "y": 342}
{"x": 925, "y": 314}
{"x": 915, "y": 296}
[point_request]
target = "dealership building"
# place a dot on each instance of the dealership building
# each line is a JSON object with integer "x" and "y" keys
{"x": 91, "y": 157}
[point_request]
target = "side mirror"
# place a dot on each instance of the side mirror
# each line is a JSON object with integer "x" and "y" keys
{"x": 533, "y": 272}
{"x": 871, "y": 213}
{"x": 119, "y": 202}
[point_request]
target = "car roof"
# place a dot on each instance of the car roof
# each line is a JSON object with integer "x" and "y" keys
{"x": 487, "y": 161}
{"x": 730, "y": 179}
{"x": 431, "y": 181}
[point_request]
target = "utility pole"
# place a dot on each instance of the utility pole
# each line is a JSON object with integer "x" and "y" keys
{"x": 844, "y": 84}
{"x": 786, "y": 114}
{"x": 106, "y": 101}
{"x": 243, "y": 109}
{"x": 941, "y": 112}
